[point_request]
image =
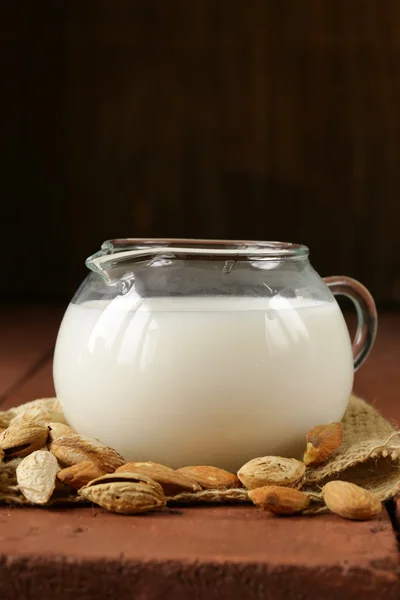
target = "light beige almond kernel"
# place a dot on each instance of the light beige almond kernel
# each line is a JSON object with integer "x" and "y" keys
{"x": 210, "y": 478}
{"x": 80, "y": 474}
{"x": 36, "y": 476}
{"x": 57, "y": 430}
{"x": 322, "y": 441}
{"x": 23, "y": 438}
{"x": 171, "y": 481}
{"x": 127, "y": 493}
{"x": 351, "y": 501}
{"x": 271, "y": 470}
{"x": 279, "y": 500}
{"x": 73, "y": 448}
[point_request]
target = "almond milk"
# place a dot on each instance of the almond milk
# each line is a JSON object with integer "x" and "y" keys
{"x": 204, "y": 380}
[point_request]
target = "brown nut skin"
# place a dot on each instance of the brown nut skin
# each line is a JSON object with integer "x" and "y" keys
{"x": 279, "y": 500}
{"x": 322, "y": 442}
{"x": 171, "y": 481}
{"x": 80, "y": 474}
{"x": 22, "y": 439}
{"x": 73, "y": 448}
{"x": 350, "y": 501}
{"x": 210, "y": 478}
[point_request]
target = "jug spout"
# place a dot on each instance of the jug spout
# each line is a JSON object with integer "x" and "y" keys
{"x": 118, "y": 260}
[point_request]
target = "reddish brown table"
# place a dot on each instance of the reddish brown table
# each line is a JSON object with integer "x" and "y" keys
{"x": 196, "y": 553}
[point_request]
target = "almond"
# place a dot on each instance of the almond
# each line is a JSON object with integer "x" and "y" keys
{"x": 210, "y": 478}
{"x": 322, "y": 441}
{"x": 40, "y": 415}
{"x": 23, "y": 438}
{"x": 171, "y": 481}
{"x": 73, "y": 448}
{"x": 36, "y": 476}
{"x": 80, "y": 474}
{"x": 57, "y": 430}
{"x": 351, "y": 501}
{"x": 271, "y": 470}
{"x": 1, "y": 455}
{"x": 127, "y": 493}
{"x": 279, "y": 500}
{"x": 42, "y": 403}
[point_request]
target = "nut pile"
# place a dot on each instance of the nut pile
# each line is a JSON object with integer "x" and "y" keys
{"x": 50, "y": 459}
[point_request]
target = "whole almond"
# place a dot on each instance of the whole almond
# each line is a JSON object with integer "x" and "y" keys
{"x": 279, "y": 500}
{"x": 271, "y": 470}
{"x": 322, "y": 441}
{"x": 171, "y": 481}
{"x": 36, "y": 476}
{"x": 80, "y": 474}
{"x": 351, "y": 501}
{"x": 40, "y": 415}
{"x": 23, "y": 438}
{"x": 57, "y": 430}
{"x": 52, "y": 404}
{"x": 73, "y": 448}
{"x": 127, "y": 493}
{"x": 210, "y": 478}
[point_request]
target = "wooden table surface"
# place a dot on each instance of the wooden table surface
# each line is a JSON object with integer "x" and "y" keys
{"x": 197, "y": 553}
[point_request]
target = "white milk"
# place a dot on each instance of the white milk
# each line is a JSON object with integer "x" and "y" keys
{"x": 203, "y": 380}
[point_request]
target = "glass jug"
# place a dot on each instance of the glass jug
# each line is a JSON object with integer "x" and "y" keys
{"x": 207, "y": 352}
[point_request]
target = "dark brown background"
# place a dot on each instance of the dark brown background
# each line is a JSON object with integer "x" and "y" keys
{"x": 210, "y": 118}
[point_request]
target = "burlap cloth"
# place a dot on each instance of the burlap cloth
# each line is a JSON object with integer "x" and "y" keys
{"x": 368, "y": 456}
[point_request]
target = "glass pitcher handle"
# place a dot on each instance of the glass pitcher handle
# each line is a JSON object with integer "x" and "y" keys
{"x": 366, "y": 314}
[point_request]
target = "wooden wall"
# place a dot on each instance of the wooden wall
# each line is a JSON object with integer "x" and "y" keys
{"x": 211, "y": 118}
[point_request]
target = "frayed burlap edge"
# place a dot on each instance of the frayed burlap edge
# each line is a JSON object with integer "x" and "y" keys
{"x": 233, "y": 496}
{"x": 211, "y": 497}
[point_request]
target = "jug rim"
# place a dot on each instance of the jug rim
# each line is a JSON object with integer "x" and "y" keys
{"x": 266, "y": 249}
{"x": 133, "y": 251}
